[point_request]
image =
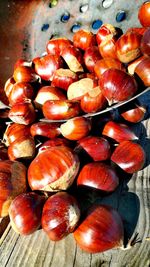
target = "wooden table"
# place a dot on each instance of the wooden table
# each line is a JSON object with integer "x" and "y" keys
{"x": 131, "y": 199}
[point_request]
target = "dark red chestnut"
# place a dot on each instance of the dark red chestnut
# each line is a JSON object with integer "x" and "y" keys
{"x": 134, "y": 114}
{"x": 91, "y": 56}
{"x": 25, "y": 74}
{"x": 145, "y": 43}
{"x": 25, "y": 213}
{"x": 117, "y": 85}
{"x": 45, "y": 66}
{"x": 98, "y": 175}
{"x": 20, "y": 93}
{"x": 63, "y": 78}
{"x": 48, "y": 93}
{"x": 119, "y": 132}
{"x": 15, "y": 131}
{"x": 75, "y": 128}
{"x": 101, "y": 229}
{"x": 12, "y": 183}
{"x": 84, "y": 39}
{"x": 97, "y": 147}
{"x": 129, "y": 156}
{"x": 22, "y": 148}
{"x": 60, "y": 216}
{"x": 60, "y": 109}
{"x": 143, "y": 71}
{"x": 49, "y": 130}
{"x": 53, "y": 169}
{"x": 144, "y": 14}
{"x": 22, "y": 113}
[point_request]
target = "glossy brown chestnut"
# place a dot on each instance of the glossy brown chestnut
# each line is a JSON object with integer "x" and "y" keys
{"x": 117, "y": 85}
{"x": 20, "y": 93}
{"x": 134, "y": 115}
{"x": 60, "y": 109}
{"x": 49, "y": 93}
{"x": 9, "y": 86}
{"x": 105, "y": 64}
{"x": 25, "y": 74}
{"x": 55, "y": 142}
{"x": 129, "y": 156}
{"x": 63, "y": 78}
{"x": 45, "y": 66}
{"x": 15, "y": 131}
{"x": 93, "y": 100}
{"x": 49, "y": 130}
{"x": 22, "y": 148}
{"x": 91, "y": 56}
{"x": 55, "y": 46}
{"x": 60, "y": 215}
{"x": 53, "y": 169}
{"x": 73, "y": 58}
{"x": 98, "y": 175}
{"x": 145, "y": 43}
{"x": 78, "y": 89}
{"x": 133, "y": 64}
{"x": 107, "y": 48}
{"x": 12, "y": 183}
{"x": 128, "y": 46}
{"x": 101, "y": 229}
{"x": 22, "y": 113}
{"x": 143, "y": 71}
{"x": 104, "y": 31}
{"x": 97, "y": 147}
{"x": 144, "y": 14}
{"x": 119, "y": 132}
{"x": 84, "y": 39}
{"x": 25, "y": 213}
{"x": 76, "y": 128}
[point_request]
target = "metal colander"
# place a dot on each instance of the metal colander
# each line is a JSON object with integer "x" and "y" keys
{"x": 26, "y": 26}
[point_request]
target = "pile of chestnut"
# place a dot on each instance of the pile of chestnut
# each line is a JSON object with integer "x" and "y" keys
{"x": 45, "y": 132}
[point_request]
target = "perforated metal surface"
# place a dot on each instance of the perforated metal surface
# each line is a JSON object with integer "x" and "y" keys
{"x": 26, "y": 26}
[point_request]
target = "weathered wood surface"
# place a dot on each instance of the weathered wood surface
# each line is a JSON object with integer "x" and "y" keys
{"x": 131, "y": 199}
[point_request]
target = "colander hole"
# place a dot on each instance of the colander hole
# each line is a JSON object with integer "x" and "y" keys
{"x": 97, "y": 24}
{"x": 75, "y": 27}
{"x": 65, "y": 17}
{"x": 53, "y": 3}
{"x": 107, "y": 3}
{"x": 45, "y": 27}
{"x": 84, "y": 8}
{"x": 121, "y": 15}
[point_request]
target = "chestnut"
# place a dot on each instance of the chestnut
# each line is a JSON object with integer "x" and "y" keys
{"x": 21, "y": 92}
{"x": 97, "y": 147}
{"x": 129, "y": 156}
{"x": 60, "y": 109}
{"x": 12, "y": 183}
{"x": 98, "y": 175}
{"x": 22, "y": 113}
{"x": 61, "y": 214}
{"x": 25, "y": 213}
{"x": 76, "y": 128}
{"x": 118, "y": 131}
{"x": 22, "y": 148}
{"x": 84, "y": 39}
{"x": 48, "y": 93}
{"x": 14, "y": 131}
{"x": 49, "y": 130}
{"x": 117, "y": 85}
{"x": 100, "y": 230}
{"x": 53, "y": 169}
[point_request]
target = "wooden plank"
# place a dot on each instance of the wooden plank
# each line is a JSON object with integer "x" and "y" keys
{"x": 132, "y": 199}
